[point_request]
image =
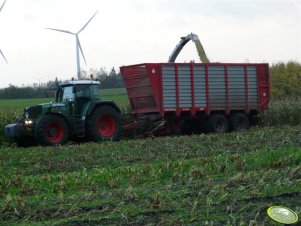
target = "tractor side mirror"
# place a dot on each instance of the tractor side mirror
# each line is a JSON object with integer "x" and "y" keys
{"x": 73, "y": 89}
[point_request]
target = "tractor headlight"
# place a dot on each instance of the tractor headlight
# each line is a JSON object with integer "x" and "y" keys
{"x": 28, "y": 122}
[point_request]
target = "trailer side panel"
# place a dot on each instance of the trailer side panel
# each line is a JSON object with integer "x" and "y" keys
{"x": 183, "y": 88}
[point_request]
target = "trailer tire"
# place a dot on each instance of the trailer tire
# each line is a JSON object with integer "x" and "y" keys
{"x": 190, "y": 127}
{"x": 186, "y": 128}
{"x": 216, "y": 123}
{"x": 254, "y": 120}
{"x": 238, "y": 122}
{"x": 51, "y": 130}
{"x": 175, "y": 126}
{"x": 104, "y": 124}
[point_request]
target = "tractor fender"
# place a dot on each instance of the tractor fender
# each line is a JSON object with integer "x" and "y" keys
{"x": 97, "y": 104}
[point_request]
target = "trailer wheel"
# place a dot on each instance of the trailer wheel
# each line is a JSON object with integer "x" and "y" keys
{"x": 51, "y": 130}
{"x": 254, "y": 120}
{"x": 175, "y": 126}
{"x": 186, "y": 127}
{"x": 189, "y": 127}
{"x": 216, "y": 123}
{"x": 238, "y": 122}
{"x": 104, "y": 124}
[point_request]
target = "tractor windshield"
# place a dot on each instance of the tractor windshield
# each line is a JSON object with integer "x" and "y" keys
{"x": 67, "y": 93}
{"x": 82, "y": 91}
{"x": 64, "y": 93}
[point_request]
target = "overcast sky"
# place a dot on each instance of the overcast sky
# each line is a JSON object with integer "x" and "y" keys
{"x": 128, "y": 32}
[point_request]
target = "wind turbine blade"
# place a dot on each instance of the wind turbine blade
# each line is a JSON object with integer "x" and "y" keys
{"x": 3, "y": 56}
{"x": 2, "y": 5}
{"x": 68, "y": 32}
{"x": 81, "y": 51}
{"x": 87, "y": 23}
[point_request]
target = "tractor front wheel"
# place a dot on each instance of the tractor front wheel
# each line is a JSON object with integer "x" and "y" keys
{"x": 51, "y": 130}
{"x": 104, "y": 124}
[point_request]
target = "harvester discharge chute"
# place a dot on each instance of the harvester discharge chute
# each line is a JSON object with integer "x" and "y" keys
{"x": 182, "y": 43}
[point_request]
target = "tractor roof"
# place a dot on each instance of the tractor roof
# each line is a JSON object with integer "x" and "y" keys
{"x": 80, "y": 82}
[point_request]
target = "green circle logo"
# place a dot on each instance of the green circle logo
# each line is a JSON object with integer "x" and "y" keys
{"x": 282, "y": 215}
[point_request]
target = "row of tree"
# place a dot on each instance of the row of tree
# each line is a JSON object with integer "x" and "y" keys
{"x": 285, "y": 82}
{"x": 107, "y": 80}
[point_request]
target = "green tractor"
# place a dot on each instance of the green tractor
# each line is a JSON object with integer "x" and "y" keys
{"x": 77, "y": 111}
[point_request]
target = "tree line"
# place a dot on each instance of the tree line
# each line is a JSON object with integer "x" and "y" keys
{"x": 108, "y": 80}
{"x": 285, "y": 81}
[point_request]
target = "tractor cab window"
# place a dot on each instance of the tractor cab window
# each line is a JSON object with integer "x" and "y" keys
{"x": 67, "y": 93}
{"x": 82, "y": 98}
{"x": 64, "y": 93}
{"x": 95, "y": 92}
{"x": 82, "y": 92}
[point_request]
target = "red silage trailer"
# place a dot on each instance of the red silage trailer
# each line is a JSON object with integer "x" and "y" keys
{"x": 189, "y": 97}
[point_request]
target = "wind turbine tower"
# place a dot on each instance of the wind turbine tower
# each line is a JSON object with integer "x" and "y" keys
{"x": 0, "y": 49}
{"x": 77, "y": 42}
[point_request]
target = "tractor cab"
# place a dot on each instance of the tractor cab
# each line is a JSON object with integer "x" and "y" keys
{"x": 78, "y": 95}
{"x": 72, "y": 90}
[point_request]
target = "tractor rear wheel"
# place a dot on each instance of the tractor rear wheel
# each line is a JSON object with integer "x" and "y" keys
{"x": 104, "y": 124}
{"x": 238, "y": 122}
{"x": 216, "y": 123}
{"x": 51, "y": 130}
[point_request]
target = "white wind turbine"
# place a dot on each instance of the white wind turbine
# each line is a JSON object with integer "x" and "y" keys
{"x": 0, "y": 49}
{"x": 78, "y": 45}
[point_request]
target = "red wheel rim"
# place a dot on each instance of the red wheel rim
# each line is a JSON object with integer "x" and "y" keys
{"x": 55, "y": 132}
{"x": 106, "y": 126}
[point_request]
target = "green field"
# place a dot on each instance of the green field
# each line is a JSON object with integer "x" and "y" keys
{"x": 118, "y": 95}
{"x": 215, "y": 179}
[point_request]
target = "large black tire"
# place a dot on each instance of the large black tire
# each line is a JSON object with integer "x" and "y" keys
{"x": 238, "y": 122}
{"x": 175, "y": 126}
{"x": 216, "y": 123}
{"x": 189, "y": 127}
{"x": 51, "y": 130}
{"x": 104, "y": 124}
{"x": 254, "y": 120}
